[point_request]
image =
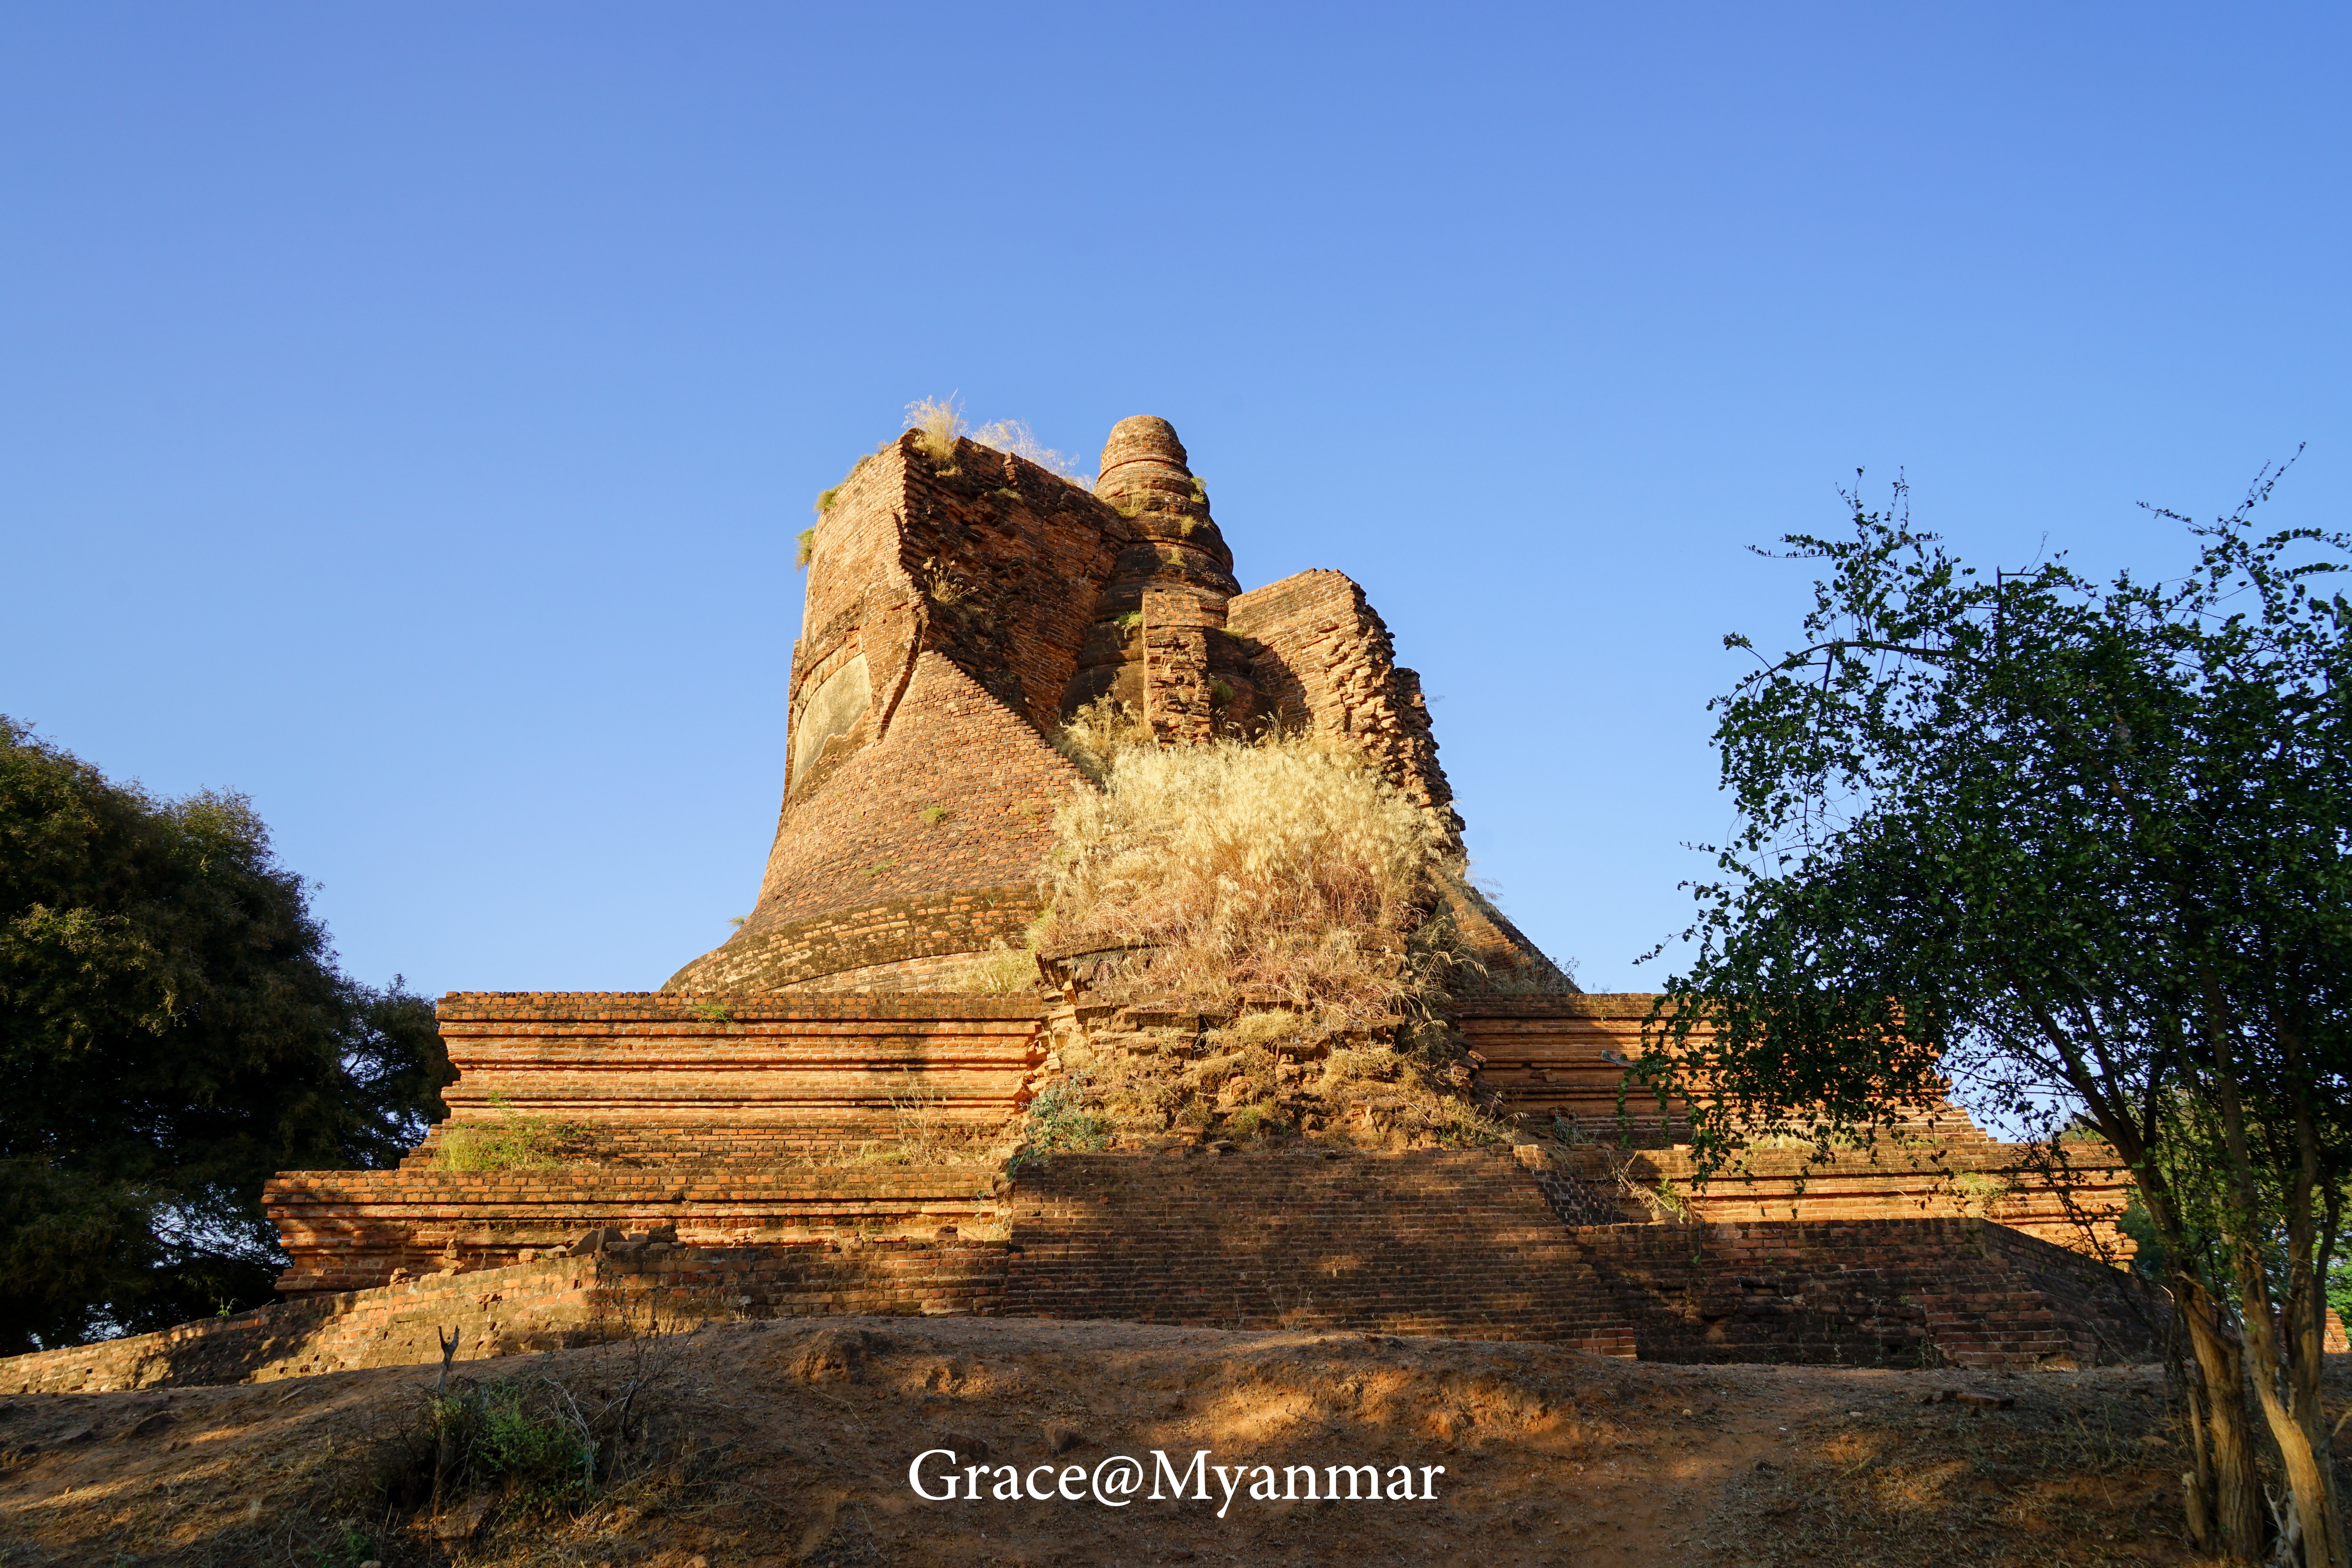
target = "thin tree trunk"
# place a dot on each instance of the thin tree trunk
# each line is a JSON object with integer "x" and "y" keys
{"x": 2197, "y": 1485}
{"x": 2307, "y": 1475}
{"x": 2284, "y": 1351}
{"x": 2308, "y": 1468}
{"x": 2311, "y": 1347}
{"x": 2220, "y": 1366}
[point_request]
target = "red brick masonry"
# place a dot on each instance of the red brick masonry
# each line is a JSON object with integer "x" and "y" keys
{"x": 1462, "y": 1245}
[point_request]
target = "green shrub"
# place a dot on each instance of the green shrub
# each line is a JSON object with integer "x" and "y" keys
{"x": 1061, "y": 1122}
{"x": 514, "y": 1141}
{"x": 537, "y": 1454}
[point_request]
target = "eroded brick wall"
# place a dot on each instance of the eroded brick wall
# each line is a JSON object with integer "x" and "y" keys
{"x": 351, "y": 1230}
{"x": 956, "y": 798}
{"x": 956, "y": 610}
{"x": 1329, "y": 661}
{"x": 965, "y": 591}
{"x": 1441, "y": 1243}
{"x": 1962, "y": 1292}
{"x": 1564, "y": 1058}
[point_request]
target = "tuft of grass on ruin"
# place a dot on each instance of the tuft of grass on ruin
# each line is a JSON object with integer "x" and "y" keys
{"x": 937, "y": 422}
{"x": 1002, "y": 971}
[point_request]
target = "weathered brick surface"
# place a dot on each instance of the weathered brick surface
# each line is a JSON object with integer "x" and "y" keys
{"x": 1467, "y": 1244}
{"x": 698, "y": 1075}
{"x": 2005, "y": 1182}
{"x": 1327, "y": 660}
{"x": 1552, "y": 1056}
{"x": 350, "y": 1230}
{"x": 1154, "y": 646}
{"x": 1964, "y": 1292}
{"x": 1430, "y": 1242}
{"x": 965, "y": 589}
{"x": 688, "y": 1107}
{"x": 1455, "y": 1244}
{"x": 957, "y": 795}
{"x": 918, "y": 943}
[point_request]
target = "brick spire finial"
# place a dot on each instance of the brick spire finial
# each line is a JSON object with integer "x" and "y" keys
{"x": 1144, "y": 462}
{"x": 1151, "y": 648}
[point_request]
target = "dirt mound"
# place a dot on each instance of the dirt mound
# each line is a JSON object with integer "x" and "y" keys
{"x": 790, "y": 1442}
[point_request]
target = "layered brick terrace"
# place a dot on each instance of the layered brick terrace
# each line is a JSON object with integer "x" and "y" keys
{"x": 352, "y": 1230}
{"x": 698, "y": 1110}
{"x": 668, "y": 1076}
{"x": 1564, "y": 1058}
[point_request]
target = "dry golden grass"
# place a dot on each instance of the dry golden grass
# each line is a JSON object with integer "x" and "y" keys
{"x": 1281, "y": 886}
{"x": 1002, "y": 971}
{"x": 1014, "y": 437}
{"x": 936, "y": 422}
{"x": 1284, "y": 871}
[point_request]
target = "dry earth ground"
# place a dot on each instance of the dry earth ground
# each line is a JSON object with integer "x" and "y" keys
{"x": 789, "y": 1443}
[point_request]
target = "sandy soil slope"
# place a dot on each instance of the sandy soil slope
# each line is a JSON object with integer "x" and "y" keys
{"x": 789, "y": 1443}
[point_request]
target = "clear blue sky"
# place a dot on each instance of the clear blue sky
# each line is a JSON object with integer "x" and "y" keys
{"x": 405, "y": 412}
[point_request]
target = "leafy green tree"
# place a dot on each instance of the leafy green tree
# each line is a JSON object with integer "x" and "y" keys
{"x": 2081, "y": 848}
{"x": 173, "y": 1030}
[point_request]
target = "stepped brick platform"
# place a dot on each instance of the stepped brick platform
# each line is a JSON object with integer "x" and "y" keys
{"x": 703, "y": 1110}
{"x": 696, "y": 1109}
{"x": 1458, "y": 1244}
{"x": 1564, "y": 1058}
{"x": 1469, "y": 1245}
{"x": 2008, "y": 1182}
{"x": 351, "y": 1230}
{"x": 672, "y": 1077}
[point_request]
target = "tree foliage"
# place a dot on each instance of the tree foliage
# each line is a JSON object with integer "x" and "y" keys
{"x": 173, "y": 1030}
{"x": 2083, "y": 848}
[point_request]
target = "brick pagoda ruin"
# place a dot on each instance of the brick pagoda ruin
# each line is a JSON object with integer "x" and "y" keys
{"x": 962, "y": 603}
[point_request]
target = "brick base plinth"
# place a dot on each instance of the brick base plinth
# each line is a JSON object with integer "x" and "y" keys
{"x": 1461, "y": 1245}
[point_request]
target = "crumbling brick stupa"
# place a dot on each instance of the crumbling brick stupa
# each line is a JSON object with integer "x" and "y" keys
{"x": 962, "y": 603}
{"x": 761, "y": 1136}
